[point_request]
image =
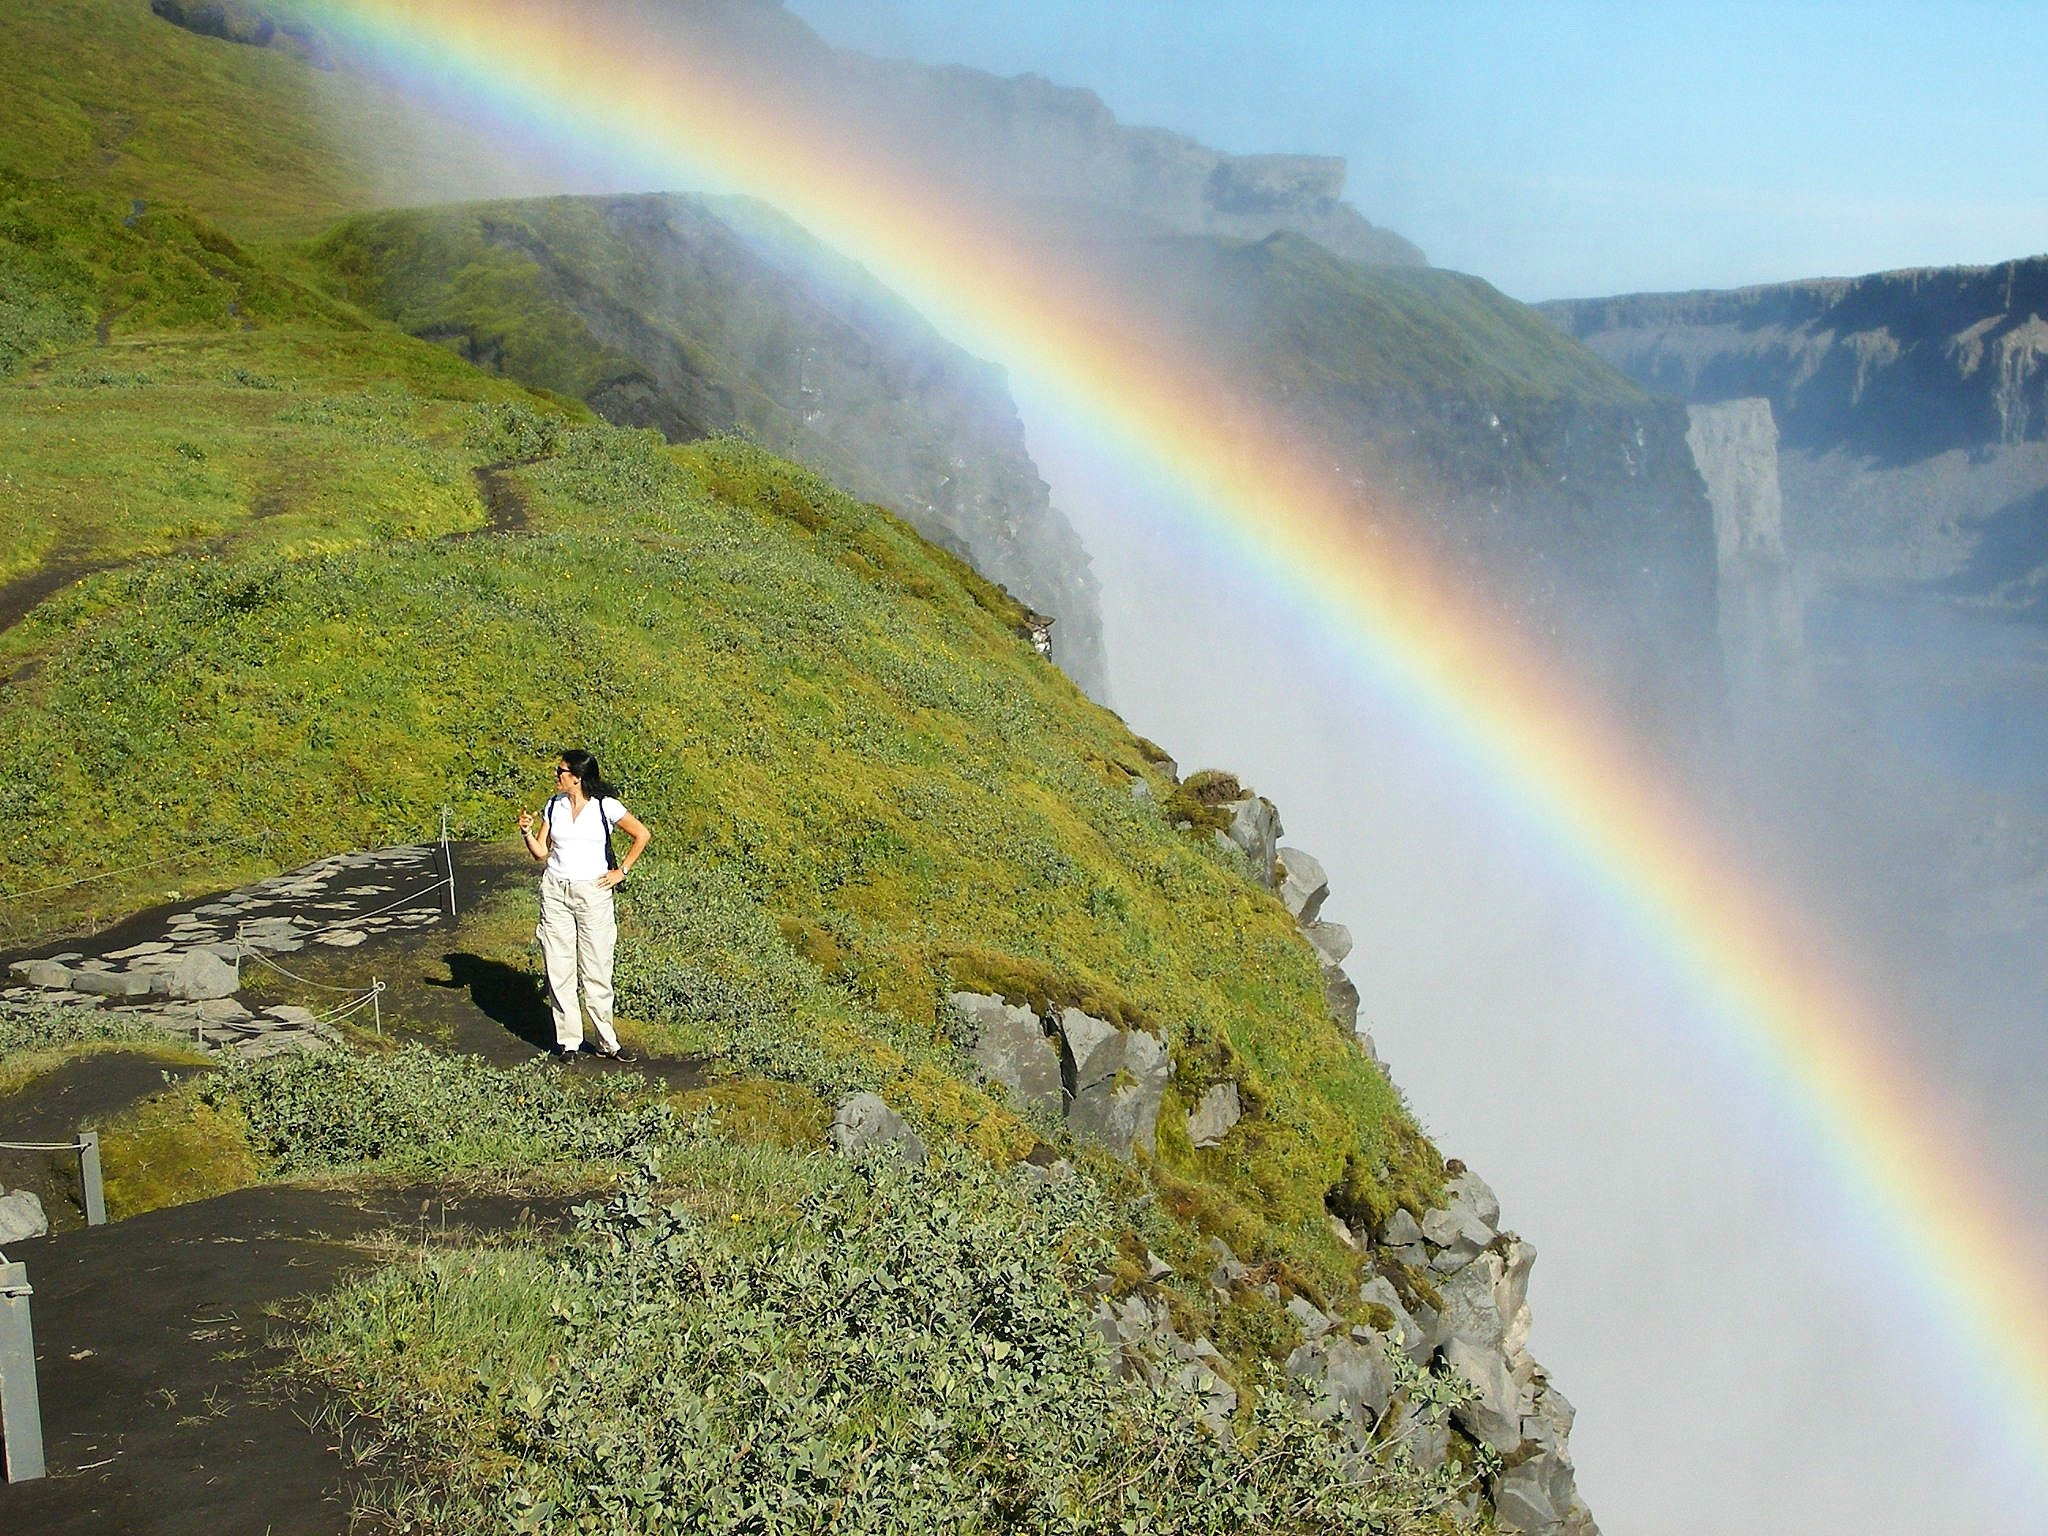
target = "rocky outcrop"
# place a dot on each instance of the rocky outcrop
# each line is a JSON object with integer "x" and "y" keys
{"x": 1114, "y": 1080}
{"x": 865, "y": 1126}
{"x": 1011, "y": 1047}
{"x": 1478, "y": 1330}
{"x": 251, "y": 25}
{"x": 1435, "y": 1354}
{"x": 1214, "y": 1115}
{"x": 1105, "y": 1083}
{"x": 1029, "y": 140}
{"x": 21, "y": 1216}
{"x": 1440, "y": 1358}
{"x": 1254, "y": 831}
{"x": 1547, "y": 490}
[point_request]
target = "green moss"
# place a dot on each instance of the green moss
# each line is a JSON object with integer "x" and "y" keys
{"x": 762, "y": 1111}
{"x": 1038, "y": 986}
{"x": 1198, "y": 800}
{"x": 122, "y": 105}
{"x": 170, "y": 1149}
{"x": 813, "y": 943}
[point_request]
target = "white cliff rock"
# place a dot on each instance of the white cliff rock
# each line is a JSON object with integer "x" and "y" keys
{"x": 1304, "y": 885}
{"x": 1213, "y": 1118}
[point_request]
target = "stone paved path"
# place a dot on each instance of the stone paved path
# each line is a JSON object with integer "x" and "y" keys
{"x": 183, "y": 977}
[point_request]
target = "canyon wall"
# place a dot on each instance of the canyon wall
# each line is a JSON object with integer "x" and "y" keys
{"x": 1912, "y": 409}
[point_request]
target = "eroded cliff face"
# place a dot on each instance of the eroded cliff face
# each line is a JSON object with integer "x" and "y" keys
{"x": 1763, "y": 638}
{"x": 1025, "y": 142}
{"x": 1061, "y": 149}
{"x": 1446, "y": 415}
{"x": 1445, "y": 1294}
{"x": 1912, "y": 409}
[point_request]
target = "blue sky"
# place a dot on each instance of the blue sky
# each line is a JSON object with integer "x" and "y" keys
{"x": 1567, "y": 149}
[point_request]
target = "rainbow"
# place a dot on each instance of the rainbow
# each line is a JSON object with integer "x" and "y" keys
{"x": 595, "y": 79}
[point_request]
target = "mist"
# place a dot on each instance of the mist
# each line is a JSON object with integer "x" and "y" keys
{"x": 1737, "y": 1343}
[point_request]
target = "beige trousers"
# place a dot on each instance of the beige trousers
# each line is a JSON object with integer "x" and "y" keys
{"x": 577, "y": 935}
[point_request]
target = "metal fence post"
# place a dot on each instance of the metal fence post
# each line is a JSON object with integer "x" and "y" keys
{"x": 89, "y": 1176}
{"x": 448, "y": 854}
{"x": 21, "y": 1413}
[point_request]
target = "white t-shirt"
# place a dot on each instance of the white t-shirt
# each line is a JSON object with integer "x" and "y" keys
{"x": 576, "y": 843}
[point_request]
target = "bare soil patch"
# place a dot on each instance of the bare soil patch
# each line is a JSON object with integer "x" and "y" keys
{"x": 159, "y": 1343}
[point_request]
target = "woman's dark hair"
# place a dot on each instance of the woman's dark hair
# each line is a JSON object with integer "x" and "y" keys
{"x": 584, "y": 765}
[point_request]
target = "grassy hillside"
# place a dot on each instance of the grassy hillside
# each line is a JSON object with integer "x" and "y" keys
{"x": 837, "y": 727}
{"x": 281, "y": 580}
{"x": 256, "y": 488}
{"x": 329, "y": 579}
{"x": 1414, "y": 332}
{"x": 118, "y": 102}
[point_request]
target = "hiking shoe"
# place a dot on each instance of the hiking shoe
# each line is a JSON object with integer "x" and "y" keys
{"x": 566, "y": 1053}
{"x": 621, "y": 1055}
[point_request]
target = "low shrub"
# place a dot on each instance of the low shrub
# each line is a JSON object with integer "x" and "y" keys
{"x": 914, "y": 1354}
{"x": 415, "y": 1110}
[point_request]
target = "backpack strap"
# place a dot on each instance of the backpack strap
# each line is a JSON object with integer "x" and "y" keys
{"x": 611, "y": 857}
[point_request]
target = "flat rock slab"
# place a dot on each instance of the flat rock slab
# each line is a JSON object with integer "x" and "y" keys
{"x": 154, "y": 1336}
{"x": 112, "y": 983}
{"x": 194, "y": 953}
{"x": 138, "y": 951}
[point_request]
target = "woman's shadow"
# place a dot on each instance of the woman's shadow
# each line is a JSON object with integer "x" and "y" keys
{"x": 504, "y": 995}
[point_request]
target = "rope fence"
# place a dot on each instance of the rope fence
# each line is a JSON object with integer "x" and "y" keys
{"x": 354, "y": 998}
{"x": 445, "y": 882}
{"x": 244, "y": 839}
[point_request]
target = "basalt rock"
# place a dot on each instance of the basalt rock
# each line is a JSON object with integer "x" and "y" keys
{"x": 1255, "y": 831}
{"x": 1011, "y": 1047}
{"x": 201, "y": 974}
{"x": 864, "y": 1126}
{"x": 1106, "y": 1083}
{"x": 1114, "y": 1079}
{"x": 1213, "y": 1117}
{"x": 1304, "y": 885}
{"x": 1330, "y": 941}
{"x": 1348, "y": 1380}
{"x": 21, "y": 1217}
{"x": 1480, "y": 1334}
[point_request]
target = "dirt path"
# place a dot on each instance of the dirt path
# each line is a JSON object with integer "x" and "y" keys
{"x": 158, "y": 1343}
{"x": 338, "y": 925}
{"x": 19, "y": 596}
{"x": 505, "y": 509}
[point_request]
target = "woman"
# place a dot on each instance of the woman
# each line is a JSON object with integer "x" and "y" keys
{"x": 577, "y": 931}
